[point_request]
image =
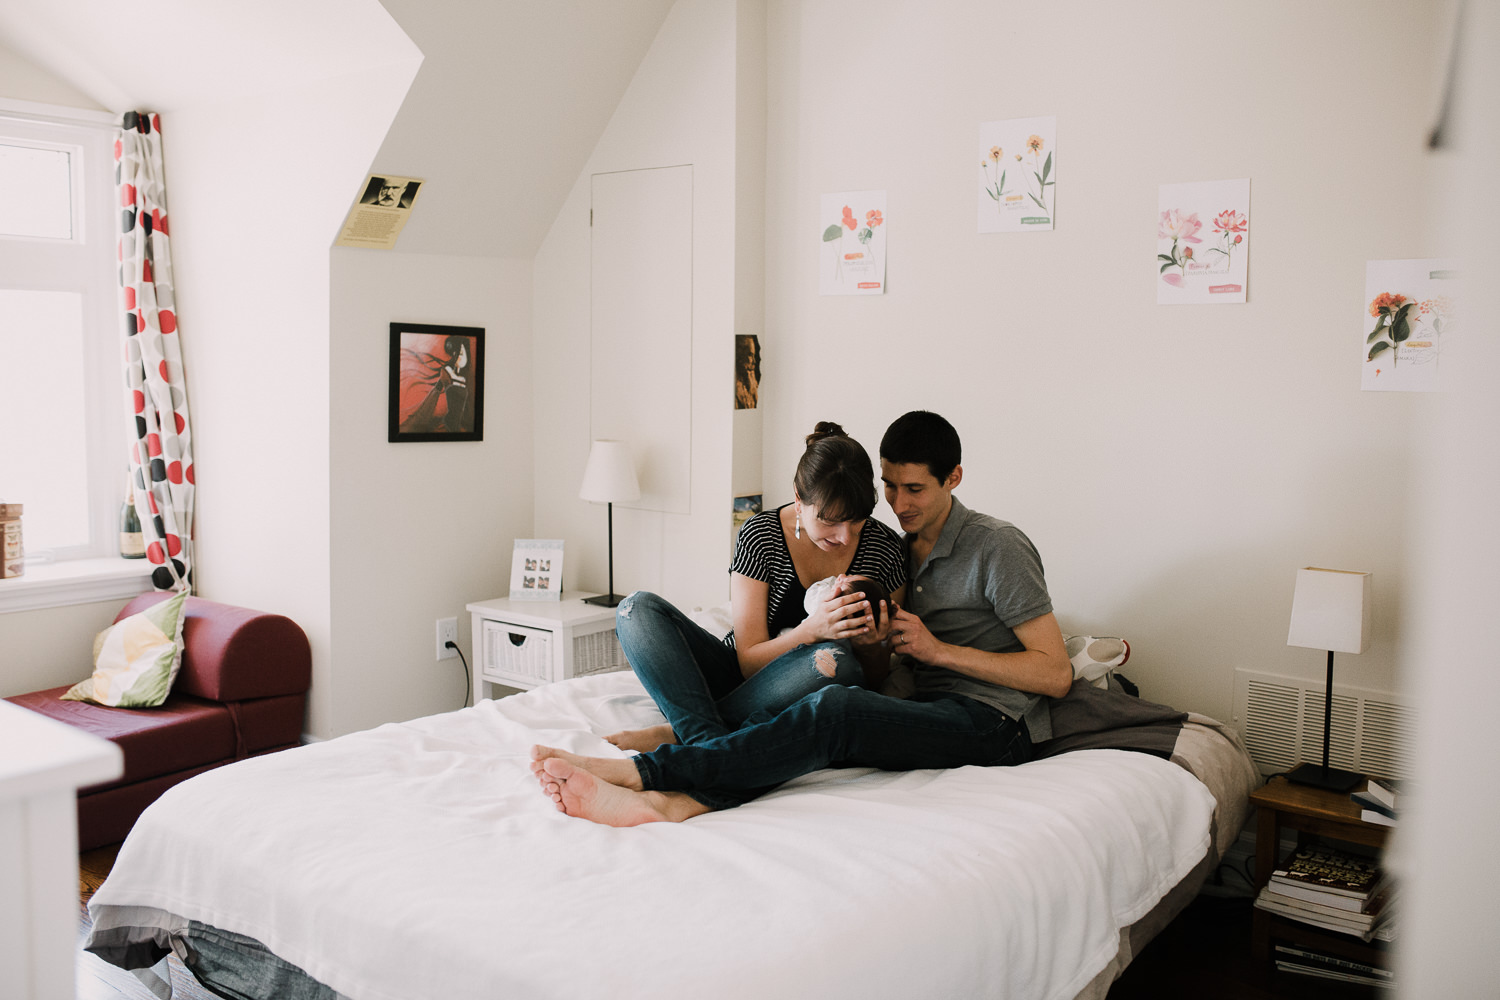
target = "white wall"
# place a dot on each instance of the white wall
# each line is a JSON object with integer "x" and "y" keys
{"x": 679, "y": 109}
{"x": 1174, "y": 465}
{"x": 252, "y": 264}
{"x": 1444, "y": 845}
{"x": 420, "y": 530}
{"x": 23, "y": 80}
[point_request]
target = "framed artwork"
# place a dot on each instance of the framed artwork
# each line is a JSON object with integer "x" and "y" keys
{"x": 536, "y": 569}
{"x": 437, "y": 383}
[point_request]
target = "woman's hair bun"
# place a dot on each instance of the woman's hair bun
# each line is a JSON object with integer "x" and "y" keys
{"x": 825, "y": 429}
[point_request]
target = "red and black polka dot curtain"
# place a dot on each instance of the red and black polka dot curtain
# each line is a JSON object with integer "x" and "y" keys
{"x": 161, "y": 455}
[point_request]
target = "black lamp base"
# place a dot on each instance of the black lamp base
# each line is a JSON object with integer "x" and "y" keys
{"x": 605, "y": 600}
{"x": 1318, "y": 776}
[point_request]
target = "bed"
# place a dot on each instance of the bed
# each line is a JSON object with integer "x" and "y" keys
{"x": 420, "y": 860}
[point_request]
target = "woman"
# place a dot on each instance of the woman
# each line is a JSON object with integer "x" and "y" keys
{"x": 779, "y": 651}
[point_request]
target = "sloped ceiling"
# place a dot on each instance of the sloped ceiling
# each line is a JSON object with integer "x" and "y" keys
{"x": 508, "y": 105}
{"x": 509, "y": 101}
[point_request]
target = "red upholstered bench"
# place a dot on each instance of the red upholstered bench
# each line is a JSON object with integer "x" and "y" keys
{"x": 242, "y": 691}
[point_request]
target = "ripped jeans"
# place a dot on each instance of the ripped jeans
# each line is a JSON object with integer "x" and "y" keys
{"x": 695, "y": 679}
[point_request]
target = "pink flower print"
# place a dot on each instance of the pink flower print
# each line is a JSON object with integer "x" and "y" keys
{"x": 1176, "y": 226}
{"x": 874, "y": 218}
{"x": 1187, "y": 253}
{"x": 849, "y": 219}
{"x": 1230, "y": 221}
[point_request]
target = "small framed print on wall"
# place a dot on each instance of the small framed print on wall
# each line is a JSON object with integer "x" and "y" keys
{"x": 536, "y": 566}
{"x": 437, "y": 383}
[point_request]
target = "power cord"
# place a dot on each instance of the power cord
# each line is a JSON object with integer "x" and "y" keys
{"x": 468, "y": 684}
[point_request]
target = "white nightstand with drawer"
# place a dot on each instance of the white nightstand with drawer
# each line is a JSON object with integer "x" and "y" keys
{"x": 524, "y": 644}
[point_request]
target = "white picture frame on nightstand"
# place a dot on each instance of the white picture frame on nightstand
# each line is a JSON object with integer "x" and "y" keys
{"x": 536, "y": 569}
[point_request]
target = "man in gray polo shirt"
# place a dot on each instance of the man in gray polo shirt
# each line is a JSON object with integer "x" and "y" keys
{"x": 978, "y": 621}
{"x": 978, "y": 632}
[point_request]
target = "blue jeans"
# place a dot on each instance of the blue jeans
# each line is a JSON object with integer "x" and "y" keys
{"x": 837, "y": 726}
{"x": 695, "y": 678}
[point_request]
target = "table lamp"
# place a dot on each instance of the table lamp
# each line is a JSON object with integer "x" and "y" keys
{"x": 609, "y": 478}
{"x": 1330, "y": 610}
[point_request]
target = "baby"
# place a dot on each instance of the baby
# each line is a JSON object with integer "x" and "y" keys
{"x": 899, "y": 683}
{"x": 873, "y": 590}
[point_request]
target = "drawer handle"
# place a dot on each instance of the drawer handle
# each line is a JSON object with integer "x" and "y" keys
{"x": 516, "y": 640}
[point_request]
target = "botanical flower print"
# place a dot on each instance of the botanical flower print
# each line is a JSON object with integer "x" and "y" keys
{"x": 1384, "y": 302}
{"x": 1231, "y": 226}
{"x": 1034, "y": 144}
{"x": 873, "y": 218}
{"x": 1175, "y": 226}
{"x": 995, "y": 187}
{"x": 1181, "y": 228}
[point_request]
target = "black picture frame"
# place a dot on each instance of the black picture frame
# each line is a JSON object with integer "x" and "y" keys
{"x": 436, "y": 392}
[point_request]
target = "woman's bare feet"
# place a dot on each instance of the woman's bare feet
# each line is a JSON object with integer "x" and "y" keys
{"x": 644, "y": 740}
{"x": 584, "y": 795}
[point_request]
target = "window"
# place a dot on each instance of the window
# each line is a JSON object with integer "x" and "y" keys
{"x": 62, "y": 408}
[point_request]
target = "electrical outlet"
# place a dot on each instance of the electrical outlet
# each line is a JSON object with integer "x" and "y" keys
{"x": 447, "y": 631}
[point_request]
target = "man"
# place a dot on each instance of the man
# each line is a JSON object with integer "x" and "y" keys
{"x": 978, "y": 632}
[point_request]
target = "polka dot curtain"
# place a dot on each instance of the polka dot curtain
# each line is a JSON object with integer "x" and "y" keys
{"x": 161, "y": 454}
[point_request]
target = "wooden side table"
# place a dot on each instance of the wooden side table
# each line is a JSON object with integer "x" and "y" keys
{"x": 1311, "y": 812}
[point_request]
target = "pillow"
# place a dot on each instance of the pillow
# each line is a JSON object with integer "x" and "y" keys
{"x": 1095, "y": 659}
{"x": 136, "y": 659}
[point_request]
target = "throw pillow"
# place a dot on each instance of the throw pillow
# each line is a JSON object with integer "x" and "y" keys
{"x": 136, "y": 659}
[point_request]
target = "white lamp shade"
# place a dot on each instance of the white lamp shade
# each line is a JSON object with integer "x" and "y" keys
{"x": 610, "y": 475}
{"x": 1331, "y": 610}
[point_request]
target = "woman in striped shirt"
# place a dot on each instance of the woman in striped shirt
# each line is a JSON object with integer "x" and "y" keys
{"x": 779, "y": 651}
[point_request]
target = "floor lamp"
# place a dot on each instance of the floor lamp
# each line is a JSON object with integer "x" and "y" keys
{"x": 1330, "y": 610}
{"x": 609, "y": 478}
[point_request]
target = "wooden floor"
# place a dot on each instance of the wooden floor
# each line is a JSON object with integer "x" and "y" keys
{"x": 1204, "y": 953}
{"x": 97, "y": 979}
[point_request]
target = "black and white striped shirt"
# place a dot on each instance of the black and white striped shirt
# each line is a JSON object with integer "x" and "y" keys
{"x": 761, "y": 553}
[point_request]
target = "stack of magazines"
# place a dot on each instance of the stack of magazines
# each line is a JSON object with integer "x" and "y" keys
{"x": 1333, "y": 889}
{"x": 1305, "y": 962}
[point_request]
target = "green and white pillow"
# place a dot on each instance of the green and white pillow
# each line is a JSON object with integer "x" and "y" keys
{"x": 136, "y": 659}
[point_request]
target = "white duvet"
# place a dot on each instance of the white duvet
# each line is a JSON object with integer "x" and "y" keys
{"x": 420, "y": 861}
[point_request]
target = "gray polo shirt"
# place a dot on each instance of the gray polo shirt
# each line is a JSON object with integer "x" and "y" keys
{"x": 982, "y": 578}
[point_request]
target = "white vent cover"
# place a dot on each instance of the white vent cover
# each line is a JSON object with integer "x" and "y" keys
{"x": 1281, "y": 720}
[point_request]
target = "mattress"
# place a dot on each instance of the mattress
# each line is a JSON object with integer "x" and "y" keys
{"x": 421, "y": 860}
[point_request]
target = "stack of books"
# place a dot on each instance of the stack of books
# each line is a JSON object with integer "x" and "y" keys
{"x": 1333, "y": 889}
{"x": 1377, "y": 802}
{"x": 1312, "y": 963}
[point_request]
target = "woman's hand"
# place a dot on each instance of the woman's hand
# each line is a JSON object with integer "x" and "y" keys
{"x": 838, "y": 616}
{"x": 882, "y": 621}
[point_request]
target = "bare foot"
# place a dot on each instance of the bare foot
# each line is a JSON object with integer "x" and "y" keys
{"x": 644, "y": 740}
{"x": 615, "y": 770}
{"x": 584, "y": 795}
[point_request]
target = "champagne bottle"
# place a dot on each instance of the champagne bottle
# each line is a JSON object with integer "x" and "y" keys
{"x": 132, "y": 541}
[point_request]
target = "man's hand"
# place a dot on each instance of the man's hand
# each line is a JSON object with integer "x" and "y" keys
{"x": 911, "y": 638}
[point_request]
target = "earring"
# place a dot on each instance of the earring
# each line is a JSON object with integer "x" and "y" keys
{"x": 797, "y": 531}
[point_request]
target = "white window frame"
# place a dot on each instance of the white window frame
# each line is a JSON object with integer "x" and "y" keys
{"x": 86, "y": 264}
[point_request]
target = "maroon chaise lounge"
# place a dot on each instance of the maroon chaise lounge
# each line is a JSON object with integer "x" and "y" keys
{"x": 242, "y": 691}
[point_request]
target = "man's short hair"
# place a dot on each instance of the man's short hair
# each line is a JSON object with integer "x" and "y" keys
{"x": 922, "y": 437}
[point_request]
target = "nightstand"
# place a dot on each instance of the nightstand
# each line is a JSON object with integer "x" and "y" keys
{"x": 525, "y": 644}
{"x": 1310, "y": 811}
